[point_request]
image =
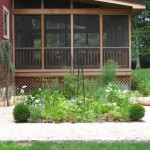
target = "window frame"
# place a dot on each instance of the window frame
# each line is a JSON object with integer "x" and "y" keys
{"x": 6, "y": 26}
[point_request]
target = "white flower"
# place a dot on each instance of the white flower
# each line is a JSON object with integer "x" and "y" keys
{"x": 37, "y": 101}
{"x": 114, "y": 104}
{"x": 119, "y": 91}
{"x": 107, "y": 90}
{"x": 23, "y": 87}
{"x": 22, "y": 91}
{"x": 125, "y": 91}
{"x": 110, "y": 85}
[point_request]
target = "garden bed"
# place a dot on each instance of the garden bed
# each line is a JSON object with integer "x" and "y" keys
{"x": 98, "y": 104}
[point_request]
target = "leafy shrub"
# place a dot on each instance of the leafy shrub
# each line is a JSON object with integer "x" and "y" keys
{"x": 109, "y": 72}
{"x": 136, "y": 112}
{"x": 35, "y": 113}
{"x": 70, "y": 86}
{"x": 144, "y": 86}
{"x": 21, "y": 113}
{"x": 36, "y": 98}
{"x": 6, "y": 62}
{"x": 141, "y": 83}
{"x": 55, "y": 85}
{"x": 112, "y": 116}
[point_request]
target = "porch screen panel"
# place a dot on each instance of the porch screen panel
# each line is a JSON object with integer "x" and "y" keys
{"x": 57, "y": 41}
{"x": 87, "y": 41}
{"x": 27, "y": 4}
{"x": 116, "y": 39}
{"x": 28, "y": 41}
{"x": 56, "y": 3}
{"x": 85, "y": 5}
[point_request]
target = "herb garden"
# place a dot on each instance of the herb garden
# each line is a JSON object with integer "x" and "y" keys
{"x": 80, "y": 100}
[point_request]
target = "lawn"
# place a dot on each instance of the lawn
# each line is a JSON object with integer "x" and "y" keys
{"x": 141, "y": 81}
{"x": 142, "y": 72}
{"x": 75, "y": 146}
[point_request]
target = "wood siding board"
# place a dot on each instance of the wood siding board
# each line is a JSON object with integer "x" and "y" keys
{"x": 72, "y": 11}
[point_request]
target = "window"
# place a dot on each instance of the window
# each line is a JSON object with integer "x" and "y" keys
{"x": 6, "y": 23}
{"x": 28, "y": 31}
{"x": 115, "y": 31}
{"x": 57, "y": 31}
{"x": 57, "y": 41}
{"x": 86, "y": 31}
{"x": 28, "y": 42}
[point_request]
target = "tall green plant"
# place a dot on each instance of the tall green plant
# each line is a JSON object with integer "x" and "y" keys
{"x": 109, "y": 72}
{"x": 6, "y": 62}
{"x": 69, "y": 86}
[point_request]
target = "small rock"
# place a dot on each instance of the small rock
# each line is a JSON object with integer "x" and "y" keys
{"x": 144, "y": 101}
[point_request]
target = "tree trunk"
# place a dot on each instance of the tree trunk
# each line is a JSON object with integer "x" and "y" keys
{"x": 138, "y": 63}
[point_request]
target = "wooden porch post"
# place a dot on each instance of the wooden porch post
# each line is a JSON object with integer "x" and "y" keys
{"x": 42, "y": 34}
{"x": 72, "y": 43}
{"x": 101, "y": 41}
{"x": 13, "y": 34}
{"x": 130, "y": 34}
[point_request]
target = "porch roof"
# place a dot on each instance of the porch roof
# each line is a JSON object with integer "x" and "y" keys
{"x": 136, "y": 7}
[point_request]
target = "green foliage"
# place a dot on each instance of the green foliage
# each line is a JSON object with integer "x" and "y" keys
{"x": 112, "y": 116}
{"x": 141, "y": 82}
{"x": 75, "y": 146}
{"x": 47, "y": 103}
{"x": 11, "y": 146}
{"x": 136, "y": 112}
{"x": 5, "y": 55}
{"x": 21, "y": 113}
{"x": 6, "y": 62}
{"x": 110, "y": 102}
{"x": 109, "y": 72}
{"x": 35, "y": 98}
{"x": 141, "y": 36}
{"x": 35, "y": 113}
{"x": 55, "y": 85}
{"x": 70, "y": 86}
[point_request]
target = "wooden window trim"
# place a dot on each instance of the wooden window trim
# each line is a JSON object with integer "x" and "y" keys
{"x": 6, "y": 12}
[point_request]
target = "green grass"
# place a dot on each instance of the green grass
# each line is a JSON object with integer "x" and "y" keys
{"x": 141, "y": 81}
{"x": 75, "y": 146}
{"x": 142, "y": 72}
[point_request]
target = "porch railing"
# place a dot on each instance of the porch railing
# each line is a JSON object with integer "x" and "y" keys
{"x": 28, "y": 58}
{"x": 88, "y": 57}
{"x": 57, "y": 58}
{"x": 60, "y": 58}
{"x": 119, "y": 55}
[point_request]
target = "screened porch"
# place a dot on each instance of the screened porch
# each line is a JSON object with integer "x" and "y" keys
{"x": 57, "y": 41}
{"x": 67, "y": 41}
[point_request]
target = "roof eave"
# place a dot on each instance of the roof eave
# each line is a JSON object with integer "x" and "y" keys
{"x": 136, "y": 7}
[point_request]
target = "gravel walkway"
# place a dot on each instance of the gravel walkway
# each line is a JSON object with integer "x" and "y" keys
{"x": 10, "y": 131}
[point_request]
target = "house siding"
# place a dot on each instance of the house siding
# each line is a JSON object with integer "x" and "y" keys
{"x": 8, "y": 5}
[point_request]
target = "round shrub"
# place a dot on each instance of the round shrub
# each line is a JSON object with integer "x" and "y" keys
{"x": 136, "y": 112}
{"x": 21, "y": 113}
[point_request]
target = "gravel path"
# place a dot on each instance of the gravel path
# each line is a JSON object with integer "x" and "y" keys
{"x": 10, "y": 131}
